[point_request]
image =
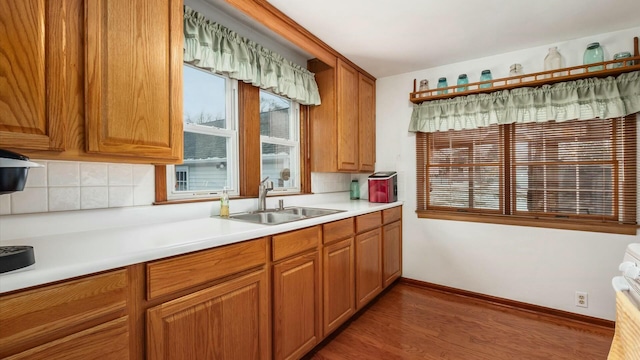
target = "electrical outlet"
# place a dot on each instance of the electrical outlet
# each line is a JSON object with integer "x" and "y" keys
{"x": 582, "y": 299}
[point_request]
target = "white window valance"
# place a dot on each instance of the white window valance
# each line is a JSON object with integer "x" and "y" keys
{"x": 211, "y": 46}
{"x": 579, "y": 99}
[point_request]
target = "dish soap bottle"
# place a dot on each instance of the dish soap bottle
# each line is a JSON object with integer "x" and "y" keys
{"x": 224, "y": 204}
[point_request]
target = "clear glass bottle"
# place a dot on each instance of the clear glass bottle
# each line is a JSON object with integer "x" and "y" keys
{"x": 442, "y": 83}
{"x": 593, "y": 54}
{"x": 424, "y": 85}
{"x": 515, "y": 70}
{"x": 354, "y": 190}
{"x": 553, "y": 61}
{"x": 620, "y": 56}
{"x": 224, "y": 204}
{"x": 485, "y": 76}
{"x": 462, "y": 80}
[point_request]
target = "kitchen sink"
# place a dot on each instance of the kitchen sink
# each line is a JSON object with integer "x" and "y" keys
{"x": 274, "y": 217}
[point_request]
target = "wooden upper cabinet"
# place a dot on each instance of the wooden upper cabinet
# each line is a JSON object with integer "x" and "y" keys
{"x": 342, "y": 127}
{"x": 133, "y": 78}
{"x": 367, "y": 123}
{"x": 347, "y": 117}
{"x": 32, "y": 76}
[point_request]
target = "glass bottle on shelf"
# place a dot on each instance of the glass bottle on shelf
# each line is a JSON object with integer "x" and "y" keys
{"x": 620, "y": 56}
{"x": 442, "y": 83}
{"x": 553, "y": 61}
{"x": 485, "y": 76}
{"x": 424, "y": 85}
{"x": 462, "y": 80}
{"x": 593, "y": 54}
{"x": 515, "y": 70}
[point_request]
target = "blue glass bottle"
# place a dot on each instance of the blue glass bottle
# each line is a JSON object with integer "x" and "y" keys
{"x": 462, "y": 80}
{"x": 593, "y": 54}
{"x": 486, "y": 76}
{"x": 442, "y": 83}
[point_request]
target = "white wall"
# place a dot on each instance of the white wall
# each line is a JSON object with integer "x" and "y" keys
{"x": 533, "y": 265}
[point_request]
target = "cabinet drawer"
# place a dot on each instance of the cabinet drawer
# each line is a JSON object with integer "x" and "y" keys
{"x": 368, "y": 221}
{"x": 33, "y": 317}
{"x": 108, "y": 341}
{"x": 391, "y": 215}
{"x": 295, "y": 242}
{"x": 182, "y": 272}
{"x": 337, "y": 230}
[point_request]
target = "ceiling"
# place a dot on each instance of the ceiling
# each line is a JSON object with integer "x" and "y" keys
{"x": 386, "y": 37}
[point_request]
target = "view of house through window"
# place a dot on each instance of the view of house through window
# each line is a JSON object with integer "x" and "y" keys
{"x": 580, "y": 169}
{"x": 210, "y": 137}
{"x": 280, "y": 144}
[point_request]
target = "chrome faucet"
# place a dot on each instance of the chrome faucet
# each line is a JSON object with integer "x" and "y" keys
{"x": 263, "y": 188}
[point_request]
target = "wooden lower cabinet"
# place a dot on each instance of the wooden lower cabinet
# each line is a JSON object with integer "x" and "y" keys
{"x": 226, "y": 321}
{"x": 368, "y": 266}
{"x": 391, "y": 252}
{"x": 338, "y": 284}
{"x": 108, "y": 341}
{"x": 296, "y": 306}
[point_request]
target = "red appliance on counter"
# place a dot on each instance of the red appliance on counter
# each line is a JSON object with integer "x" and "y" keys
{"x": 383, "y": 187}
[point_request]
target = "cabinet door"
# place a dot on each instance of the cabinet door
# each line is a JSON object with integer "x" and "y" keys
{"x": 391, "y": 252}
{"x": 227, "y": 321}
{"x": 339, "y": 290}
{"x": 134, "y": 78}
{"x": 32, "y": 61}
{"x": 296, "y": 306}
{"x": 347, "y": 96}
{"x": 367, "y": 130}
{"x": 368, "y": 267}
{"x": 108, "y": 341}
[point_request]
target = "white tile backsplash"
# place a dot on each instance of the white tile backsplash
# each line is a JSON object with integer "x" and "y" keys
{"x": 94, "y": 174}
{"x": 120, "y": 196}
{"x": 64, "y": 198}
{"x": 37, "y": 177}
{"x": 120, "y": 174}
{"x": 5, "y": 204}
{"x": 71, "y": 185}
{"x": 94, "y": 197}
{"x": 329, "y": 182}
{"x": 63, "y": 173}
{"x": 30, "y": 200}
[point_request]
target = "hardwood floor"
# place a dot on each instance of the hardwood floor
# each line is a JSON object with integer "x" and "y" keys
{"x": 415, "y": 323}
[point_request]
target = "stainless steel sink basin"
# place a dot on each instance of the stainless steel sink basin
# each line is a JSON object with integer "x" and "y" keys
{"x": 271, "y": 217}
{"x": 309, "y": 212}
{"x": 274, "y": 217}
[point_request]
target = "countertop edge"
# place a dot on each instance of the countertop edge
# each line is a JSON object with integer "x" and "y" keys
{"x": 97, "y": 251}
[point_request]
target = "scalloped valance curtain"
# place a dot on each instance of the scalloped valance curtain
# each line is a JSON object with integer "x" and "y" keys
{"x": 211, "y": 46}
{"x": 579, "y": 99}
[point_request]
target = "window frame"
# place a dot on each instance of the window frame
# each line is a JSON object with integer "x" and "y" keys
{"x": 509, "y": 215}
{"x": 294, "y": 143}
{"x": 230, "y": 132}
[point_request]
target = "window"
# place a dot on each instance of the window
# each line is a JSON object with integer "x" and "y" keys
{"x": 572, "y": 171}
{"x": 279, "y": 142}
{"x": 210, "y": 137}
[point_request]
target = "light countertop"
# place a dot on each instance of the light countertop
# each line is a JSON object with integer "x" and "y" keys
{"x": 65, "y": 256}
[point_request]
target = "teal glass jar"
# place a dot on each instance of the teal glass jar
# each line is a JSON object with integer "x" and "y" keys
{"x": 442, "y": 83}
{"x": 593, "y": 54}
{"x": 462, "y": 80}
{"x": 485, "y": 76}
{"x": 354, "y": 190}
{"x": 621, "y": 56}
